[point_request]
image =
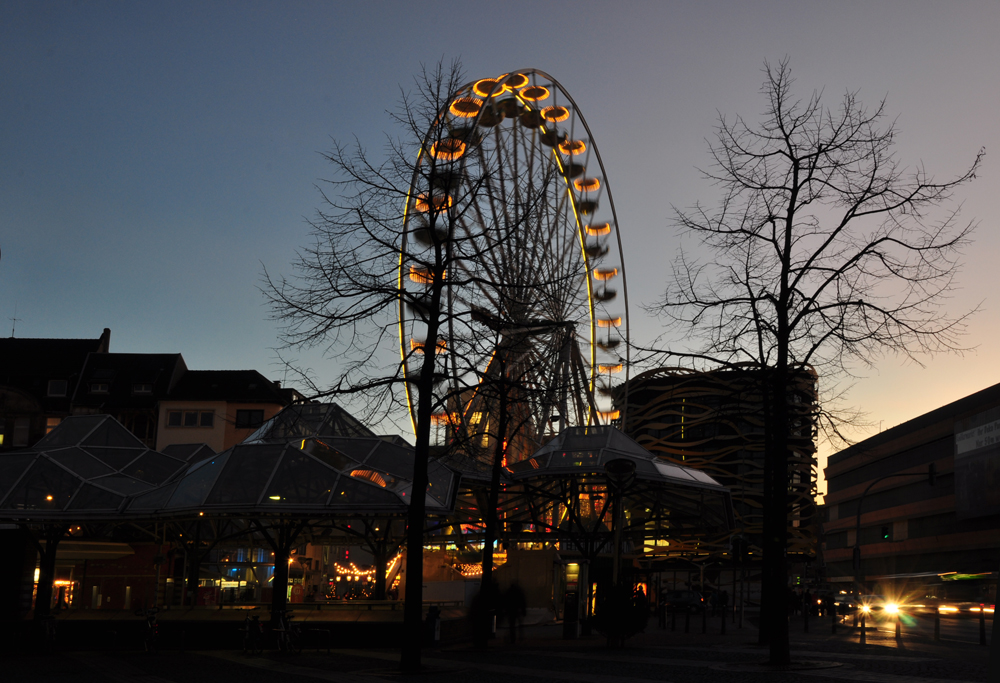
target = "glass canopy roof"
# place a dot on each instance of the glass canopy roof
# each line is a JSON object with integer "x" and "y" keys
{"x": 588, "y": 449}
{"x": 310, "y": 460}
{"x": 89, "y": 463}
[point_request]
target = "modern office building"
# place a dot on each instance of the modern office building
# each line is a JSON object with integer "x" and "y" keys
{"x": 908, "y": 530}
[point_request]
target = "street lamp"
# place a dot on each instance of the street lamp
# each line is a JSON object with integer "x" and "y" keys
{"x": 931, "y": 474}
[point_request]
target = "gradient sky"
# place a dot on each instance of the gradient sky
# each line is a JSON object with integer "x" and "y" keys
{"x": 154, "y": 156}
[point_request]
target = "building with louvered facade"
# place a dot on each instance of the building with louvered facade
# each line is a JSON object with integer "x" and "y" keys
{"x": 714, "y": 421}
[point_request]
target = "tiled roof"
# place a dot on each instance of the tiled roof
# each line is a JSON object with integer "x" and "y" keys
{"x": 227, "y": 385}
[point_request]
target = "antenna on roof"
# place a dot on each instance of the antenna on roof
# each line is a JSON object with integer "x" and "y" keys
{"x": 14, "y": 321}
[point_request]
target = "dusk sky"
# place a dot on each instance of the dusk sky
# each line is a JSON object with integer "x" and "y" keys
{"x": 157, "y": 156}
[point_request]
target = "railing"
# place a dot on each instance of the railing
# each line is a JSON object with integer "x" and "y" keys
{"x": 326, "y": 606}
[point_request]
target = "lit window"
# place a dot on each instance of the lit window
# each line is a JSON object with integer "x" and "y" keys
{"x": 57, "y": 387}
{"x": 51, "y": 423}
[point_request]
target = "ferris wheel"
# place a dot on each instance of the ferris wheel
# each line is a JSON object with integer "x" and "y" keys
{"x": 510, "y": 193}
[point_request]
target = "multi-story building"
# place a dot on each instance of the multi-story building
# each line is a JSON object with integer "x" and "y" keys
{"x": 908, "y": 530}
{"x": 219, "y": 407}
{"x": 38, "y": 378}
{"x": 153, "y": 395}
{"x": 713, "y": 421}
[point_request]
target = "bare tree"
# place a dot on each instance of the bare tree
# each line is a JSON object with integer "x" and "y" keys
{"x": 827, "y": 253}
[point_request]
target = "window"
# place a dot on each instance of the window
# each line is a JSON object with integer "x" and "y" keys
{"x": 99, "y": 388}
{"x": 142, "y": 388}
{"x": 51, "y": 423}
{"x": 249, "y": 419}
{"x": 22, "y": 426}
{"x": 190, "y": 418}
{"x": 57, "y": 387}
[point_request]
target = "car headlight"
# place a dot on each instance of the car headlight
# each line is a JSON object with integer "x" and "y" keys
{"x": 892, "y": 608}
{"x": 866, "y": 609}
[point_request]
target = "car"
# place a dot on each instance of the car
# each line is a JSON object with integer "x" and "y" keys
{"x": 845, "y": 603}
{"x": 691, "y": 601}
{"x": 879, "y": 608}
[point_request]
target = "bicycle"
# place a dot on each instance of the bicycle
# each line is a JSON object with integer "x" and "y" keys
{"x": 152, "y": 630}
{"x": 253, "y": 632}
{"x": 289, "y": 635}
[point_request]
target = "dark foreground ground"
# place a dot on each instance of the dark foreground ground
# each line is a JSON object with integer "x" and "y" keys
{"x": 542, "y": 654}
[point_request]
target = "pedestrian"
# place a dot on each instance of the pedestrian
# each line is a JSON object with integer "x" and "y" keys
{"x": 515, "y": 607}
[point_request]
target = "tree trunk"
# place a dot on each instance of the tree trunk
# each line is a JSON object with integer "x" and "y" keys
{"x": 47, "y": 573}
{"x": 279, "y": 582}
{"x": 413, "y": 604}
{"x": 776, "y": 536}
{"x": 380, "y": 556}
{"x": 487, "y": 594}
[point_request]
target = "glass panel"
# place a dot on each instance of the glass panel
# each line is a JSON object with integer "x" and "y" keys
{"x": 381, "y": 479}
{"x": 127, "y": 486}
{"x": 46, "y": 486}
{"x": 70, "y": 431}
{"x": 393, "y": 459}
{"x": 644, "y": 468}
{"x": 154, "y": 500}
{"x": 153, "y": 467}
{"x": 585, "y": 438}
{"x": 196, "y": 484}
{"x": 300, "y": 479}
{"x": 11, "y": 467}
{"x": 111, "y": 433}
{"x": 80, "y": 462}
{"x": 621, "y": 442}
{"x": 297, "y": 421}
{"x": 328, "y": 455}
{"x": 672, "y": 471}
{"x": 351, "y": 491}
{"x": 117, "y": 458}
{"x": 574, "y": 459}
{"x": 244, "y": 478}
{"x": 261, "y": 433}
{"x": 700, "y": 476}
{"x": 188, "y": 452}
{"x": 94, "y": 498}
{"x": 439, "y": 482}
{"x": 358, "y": 449}
{"x": 340, "y": 423}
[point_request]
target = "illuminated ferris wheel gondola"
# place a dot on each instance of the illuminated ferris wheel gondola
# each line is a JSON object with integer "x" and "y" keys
{"x": 511, "y": 192}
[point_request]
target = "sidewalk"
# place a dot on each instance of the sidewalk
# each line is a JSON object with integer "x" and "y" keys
{"x": 657, "y": 655}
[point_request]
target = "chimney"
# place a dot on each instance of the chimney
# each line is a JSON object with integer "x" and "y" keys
{"x": 104, "y": 343}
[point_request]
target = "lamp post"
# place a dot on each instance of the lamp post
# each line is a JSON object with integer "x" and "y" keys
{"x": 931, "y": 473}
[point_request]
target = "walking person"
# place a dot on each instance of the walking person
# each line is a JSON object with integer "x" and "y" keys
{"x": 515, "y": 607}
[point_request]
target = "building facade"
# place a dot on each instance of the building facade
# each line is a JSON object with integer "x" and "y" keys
{"x": 907, "y": 529}
{"x": 154, "y": 395}
{"x": 38, "y": 379}
{"x": 714, "y": 422}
